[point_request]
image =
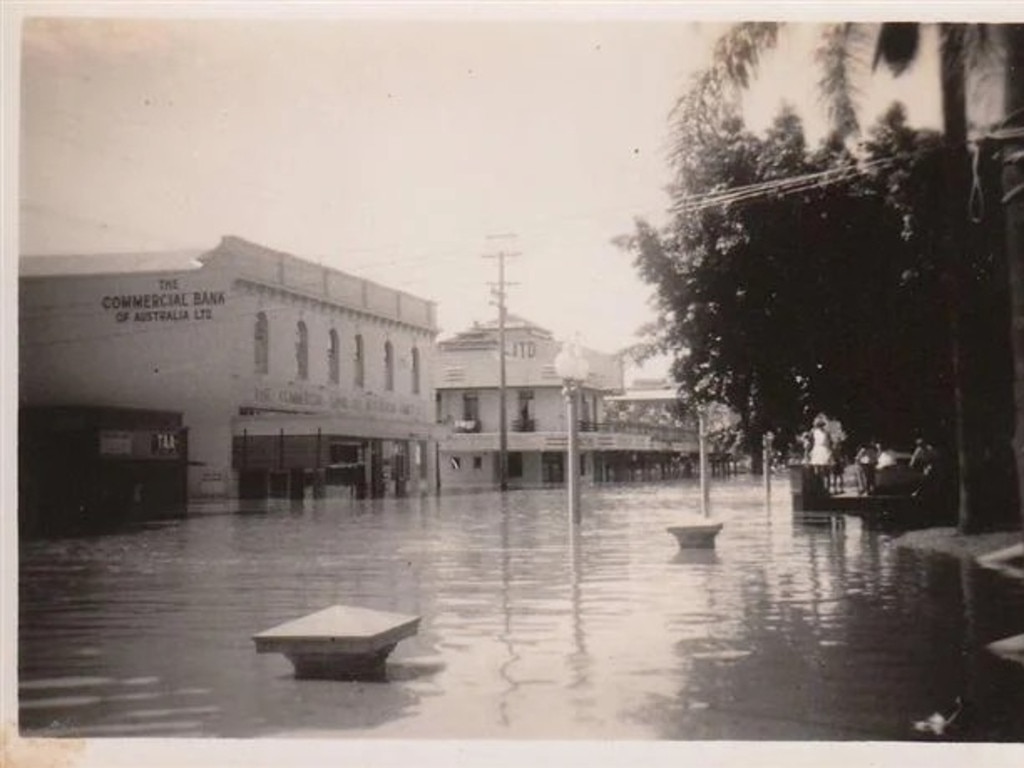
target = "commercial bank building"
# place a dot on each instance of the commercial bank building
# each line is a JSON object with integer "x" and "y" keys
{"x": 239, "y": 372}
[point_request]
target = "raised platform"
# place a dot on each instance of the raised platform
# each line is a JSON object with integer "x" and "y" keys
{"x": 853, "y": 504}
{"x": 339, "y": 643}
{"x": 812, "y": 502}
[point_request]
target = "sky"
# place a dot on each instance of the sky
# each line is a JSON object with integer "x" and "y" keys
{"x": 396, "y": 147}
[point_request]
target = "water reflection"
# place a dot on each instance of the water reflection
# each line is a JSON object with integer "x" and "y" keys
{"x": 531, "y": 627}
{"x": 695, "y": 557}
{"x": 506, "y": 636}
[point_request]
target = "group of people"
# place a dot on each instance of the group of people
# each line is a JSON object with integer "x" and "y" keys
{"x": 828, "y": 461}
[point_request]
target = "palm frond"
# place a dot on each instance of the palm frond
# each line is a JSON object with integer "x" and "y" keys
{"x": 982, "y": 48}
{"x": 897, "y": 46}
{"x": 739, "y": 50}
{"x": 642, "y": 351}
{"x": 977, "y": 48}
{"x": 839, "y": 56}
{"x": 700, "y": 112}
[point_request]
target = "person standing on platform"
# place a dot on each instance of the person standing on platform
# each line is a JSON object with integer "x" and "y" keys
{"x": 923, "y": 460}
{"x": 867, "y": 458}
{"x": 821, "y": 451}
{"x": 838, "y": 469}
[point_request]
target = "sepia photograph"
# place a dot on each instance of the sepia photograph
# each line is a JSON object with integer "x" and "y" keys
{"x": 484, "y": 383}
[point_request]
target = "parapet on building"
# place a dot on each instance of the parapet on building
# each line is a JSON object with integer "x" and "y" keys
{"x": 468, "y": 398}
{"x": 277, "y": 375}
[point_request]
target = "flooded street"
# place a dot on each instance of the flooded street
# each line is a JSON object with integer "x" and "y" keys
{"x": 785, "y": 631}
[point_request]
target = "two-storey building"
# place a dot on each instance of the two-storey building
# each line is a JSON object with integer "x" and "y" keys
{"x": 468, "y": 403}
{"x": 285, "y": 377}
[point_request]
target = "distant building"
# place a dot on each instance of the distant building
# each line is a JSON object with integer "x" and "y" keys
{"x": 467, "y": 384}
{"x": 289, "y": 377}
{"x": 656, "y": 403}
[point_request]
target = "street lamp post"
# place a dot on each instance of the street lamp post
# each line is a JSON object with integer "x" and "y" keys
{"x": 702, "y": 432}
{"x": 572, "y": 368}
{"x": 700, "y": 532}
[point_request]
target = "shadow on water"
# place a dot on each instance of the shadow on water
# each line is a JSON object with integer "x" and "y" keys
{"x": 695, "y": 557}
{"x": 405, "y": 671}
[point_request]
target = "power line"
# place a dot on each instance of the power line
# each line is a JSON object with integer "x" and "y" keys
{"x": 788, "y": 185}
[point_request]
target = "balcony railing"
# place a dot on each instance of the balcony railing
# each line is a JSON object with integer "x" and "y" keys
{"x": 656, "y": 432}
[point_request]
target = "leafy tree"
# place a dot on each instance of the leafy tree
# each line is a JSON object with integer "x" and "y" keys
{"x": 829, "y": 297}
{"x": 737, "y": 281}
{"x": 961, "y": 48}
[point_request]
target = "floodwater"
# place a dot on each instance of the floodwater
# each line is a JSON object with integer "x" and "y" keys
{"x": 785, "y": 631}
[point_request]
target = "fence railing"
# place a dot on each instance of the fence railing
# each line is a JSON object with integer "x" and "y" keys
{"x": 656, "y": 431}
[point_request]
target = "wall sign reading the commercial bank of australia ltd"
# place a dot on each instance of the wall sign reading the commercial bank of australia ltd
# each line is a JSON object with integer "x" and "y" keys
{"x": 168, "y": 303}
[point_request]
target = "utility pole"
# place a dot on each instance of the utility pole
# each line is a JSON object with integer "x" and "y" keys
{"x": 498, "y": 291}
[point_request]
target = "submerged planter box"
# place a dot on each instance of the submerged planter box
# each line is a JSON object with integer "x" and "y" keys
{"x": 696, "y": 535}
{"x": 339, "y": 643}
{"x": 1010, "y": 648}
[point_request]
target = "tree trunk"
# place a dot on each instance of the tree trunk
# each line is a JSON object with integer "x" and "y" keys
{"x": 1013, "y": 199}
{"x": 954, "y": 229}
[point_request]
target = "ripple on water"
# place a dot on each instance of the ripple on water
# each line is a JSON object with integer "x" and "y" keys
{"x": 528, "y": 628}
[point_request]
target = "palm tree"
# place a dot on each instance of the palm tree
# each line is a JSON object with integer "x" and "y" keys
{"x": 896, "y": 46}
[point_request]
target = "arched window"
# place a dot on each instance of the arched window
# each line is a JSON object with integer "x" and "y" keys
{"x": 359, "y": 379}
{"x": 262, "y": 344}
{"x": 415, "y": 371}
{"x": 333, "y": 364}
{"x": 302, "y": 351}
{"x": 389, "y": 366}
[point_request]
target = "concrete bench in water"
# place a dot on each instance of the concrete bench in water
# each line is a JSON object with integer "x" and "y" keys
{"x": 696, "y": 535}
{"x": 339, "y": 643}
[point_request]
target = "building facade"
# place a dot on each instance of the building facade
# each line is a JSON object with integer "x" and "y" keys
{"x": 291, "y": 378}
{"x": 468, "y": 405}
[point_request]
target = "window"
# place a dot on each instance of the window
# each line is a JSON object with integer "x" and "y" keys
{"x": 389, "y": 366}
{"x": 344, "y": 453}
{"x": 415, "y": 371}
{"x": 470, "y": 406}
{"x": 524, "y": 421}
{"x": 478, "y": 462}
{"x": 515, "y": 464}
{"x": 332, "y": 358}
{"x": 262, "y": 338}
{"x": 358, "y": 367}
{"x": 302, "y": 351}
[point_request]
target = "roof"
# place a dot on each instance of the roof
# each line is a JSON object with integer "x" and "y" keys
{"x": 661, "y": 383}
{"x": 645, "y": 395}
{"x": 512, "y": 321}
{"x": 487, "y": 330}
{"x": 109, "y": 263}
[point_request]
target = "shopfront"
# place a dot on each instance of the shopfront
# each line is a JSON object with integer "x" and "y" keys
{"x": 92, "y": 469}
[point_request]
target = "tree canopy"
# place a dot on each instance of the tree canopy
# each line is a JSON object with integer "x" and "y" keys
{"x": 792, "y": 280}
